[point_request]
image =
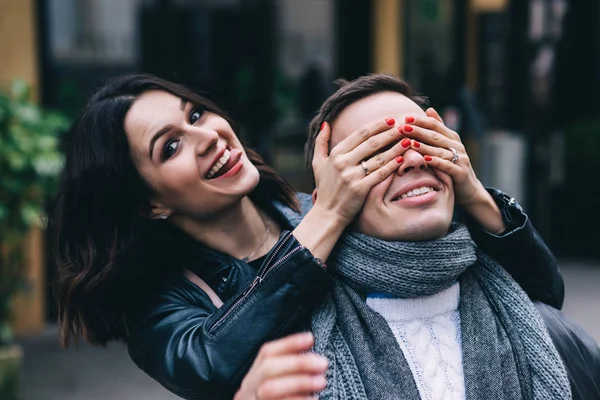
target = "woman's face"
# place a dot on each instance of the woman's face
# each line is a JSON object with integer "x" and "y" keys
{"x": 191, "y": 158}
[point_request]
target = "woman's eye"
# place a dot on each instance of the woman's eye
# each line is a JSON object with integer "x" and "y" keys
{"x": 170, "y": 149}
{"x": 195, "y": 115}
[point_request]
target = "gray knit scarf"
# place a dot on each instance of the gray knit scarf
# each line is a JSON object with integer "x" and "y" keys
{"x": 507, "y": 353}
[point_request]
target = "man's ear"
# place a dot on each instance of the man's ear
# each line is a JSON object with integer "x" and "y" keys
{"x": 314, "y": 196}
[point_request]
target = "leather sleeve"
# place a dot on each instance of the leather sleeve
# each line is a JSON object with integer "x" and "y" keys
{"x": 199, "y": 352}
{"x": 522, "y": 252}
{"x": 578, "y": 350}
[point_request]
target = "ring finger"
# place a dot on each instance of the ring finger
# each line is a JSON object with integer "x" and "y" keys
{"x": 439, "y": 152}
{"x": 379, "y": 160}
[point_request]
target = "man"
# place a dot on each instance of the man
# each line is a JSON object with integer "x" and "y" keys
{"x": 417, "y": 311}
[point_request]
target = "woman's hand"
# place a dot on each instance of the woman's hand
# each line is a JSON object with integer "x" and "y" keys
{"x": 344, "y": 177}
{"x": 342, "y": 180}
{"x": 284, "y": 370}
{"x": 435, "y": 142}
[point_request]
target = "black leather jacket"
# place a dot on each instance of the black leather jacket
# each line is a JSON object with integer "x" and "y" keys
{"x": 200, "y": 352}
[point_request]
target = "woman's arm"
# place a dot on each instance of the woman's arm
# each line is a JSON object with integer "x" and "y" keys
{"x": 200, "y": 352}
{"x": 521, "y": 251}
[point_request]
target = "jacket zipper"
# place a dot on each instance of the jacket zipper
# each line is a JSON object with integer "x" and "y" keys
{"x": 259, "y": 278}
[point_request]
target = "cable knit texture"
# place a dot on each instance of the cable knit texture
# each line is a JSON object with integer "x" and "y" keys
{"x": 428, "y": 332}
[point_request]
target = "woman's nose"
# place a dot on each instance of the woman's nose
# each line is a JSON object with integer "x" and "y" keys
{"x": 206, "y": 139}
{"x": 412, "y": 160}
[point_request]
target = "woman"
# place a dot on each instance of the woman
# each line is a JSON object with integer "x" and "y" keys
{"x": 162, "y": 214}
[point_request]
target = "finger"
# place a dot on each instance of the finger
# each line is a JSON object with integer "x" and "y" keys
{"x": 426, "y": 149}
{"x": 291, "y": 385}
{"x": 431, "y": 124}
{"x": 382, "y": 173}
{"x": 374, "y": 144}
{"x": 322, "y": 144}
{"x": 431, "y": 137}
{"x": 431, "y": 112}
{"x": 291, "y": 344}
{"x": 443, "y": 165}
{"x": 364, "y": 134}
{"x": 292, "y": 364}
{"x": 381, "y": 159}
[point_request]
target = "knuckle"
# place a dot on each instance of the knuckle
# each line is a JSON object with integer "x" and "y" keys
{"x": 339, "y": 163}
{"x": 363, "y": 133}
{"x": 381, "y": 174}
{"x": 373, "y": 143}
{"x": 379, "y": 159}
{"x": 435, "y": 137}
{"x": 442, "y": 154}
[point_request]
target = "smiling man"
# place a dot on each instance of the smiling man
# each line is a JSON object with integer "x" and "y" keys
{"x": 417, "y": 310}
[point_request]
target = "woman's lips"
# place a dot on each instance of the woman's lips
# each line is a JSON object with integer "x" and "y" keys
{"x": 232, "y": 166}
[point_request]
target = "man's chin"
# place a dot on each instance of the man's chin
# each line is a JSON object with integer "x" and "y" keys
{"x": 416, "y": 232}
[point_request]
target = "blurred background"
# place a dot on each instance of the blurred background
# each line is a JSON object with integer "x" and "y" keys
{"x": 520, "y": 81}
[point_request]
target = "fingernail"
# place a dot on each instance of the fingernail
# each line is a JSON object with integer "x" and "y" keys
{"x": 410, "y": 120}
{"x": 405, "y": 143}
{"x": 390, "y": 121}
{"x": 399, "y": 159}
{"x": 322, "y": 126}
{"x": 400, "y": 128}
{"x": 408, "y": 128}
{"x": 416, "y": 144}
{"x": 428, "y": 158}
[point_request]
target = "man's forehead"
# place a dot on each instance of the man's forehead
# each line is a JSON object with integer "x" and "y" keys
{"x": 371, "y": 109}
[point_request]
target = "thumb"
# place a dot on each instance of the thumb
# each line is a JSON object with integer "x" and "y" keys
{"x": 322, "y": 143}
{"x": 434, "y": 114}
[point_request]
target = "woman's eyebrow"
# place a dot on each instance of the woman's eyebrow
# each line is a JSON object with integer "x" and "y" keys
{"x": 164, "y": 130}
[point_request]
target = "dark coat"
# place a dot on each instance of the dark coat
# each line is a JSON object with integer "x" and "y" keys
{"x": 197, "y": 351}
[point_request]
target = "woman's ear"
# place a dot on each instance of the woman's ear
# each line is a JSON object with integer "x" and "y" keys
{"x": 314, "y": 196}
{"x": 155, "y": 210}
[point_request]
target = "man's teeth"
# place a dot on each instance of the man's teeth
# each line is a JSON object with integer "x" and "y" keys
{"x": 417, "y": 192}
{"x": 219, "y": 164}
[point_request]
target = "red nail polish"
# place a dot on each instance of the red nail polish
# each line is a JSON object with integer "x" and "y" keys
{"x": 400, "y": 128}
{"x": 322, "y": 125}
{"x": 408, "y": 128}
{"x": 399, "y": 159}
{"x": 416, "y": 144}
{"x": 410, "y": 120}
{"x": 390, "y": 121}
{"x": 428, "y": 158}
{"x": 405, "y": 143}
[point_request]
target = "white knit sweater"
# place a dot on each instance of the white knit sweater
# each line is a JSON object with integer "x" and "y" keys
{"x": 428, "y": 332}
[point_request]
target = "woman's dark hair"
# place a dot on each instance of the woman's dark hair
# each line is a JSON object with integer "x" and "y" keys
{"x": 350, "y": 92}
{"x": 101, "y": 238}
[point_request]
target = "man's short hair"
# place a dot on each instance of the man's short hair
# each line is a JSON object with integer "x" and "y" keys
{"x": 349, "y": 92}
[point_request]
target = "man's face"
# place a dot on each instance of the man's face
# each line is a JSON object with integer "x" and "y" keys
{"x": 388, "y": 213}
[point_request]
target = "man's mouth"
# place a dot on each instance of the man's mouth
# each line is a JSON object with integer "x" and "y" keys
{"x": 414, "y": 192}
{"x": 223, "y": 165}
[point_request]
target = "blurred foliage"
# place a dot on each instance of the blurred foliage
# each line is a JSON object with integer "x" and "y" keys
{"x": 583, "y": 140}
{"x": 29, "y": 165}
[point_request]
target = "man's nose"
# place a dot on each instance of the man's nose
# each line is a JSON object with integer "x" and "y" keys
{"x": 413, "y": 160}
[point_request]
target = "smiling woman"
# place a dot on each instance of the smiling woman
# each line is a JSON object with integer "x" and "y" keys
{"x": 172, "y": 236}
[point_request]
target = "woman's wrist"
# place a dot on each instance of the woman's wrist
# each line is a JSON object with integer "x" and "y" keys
{"x": 484, "y": 210}
{"x": 319, "y": 231}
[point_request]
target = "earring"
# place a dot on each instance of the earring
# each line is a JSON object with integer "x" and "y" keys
{"x": 163, "y": 216}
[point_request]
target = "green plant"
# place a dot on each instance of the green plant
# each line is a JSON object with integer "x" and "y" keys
{"x": 29, "y": 166}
